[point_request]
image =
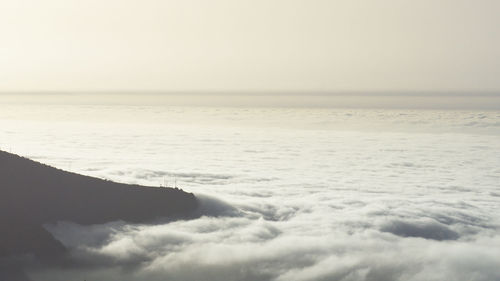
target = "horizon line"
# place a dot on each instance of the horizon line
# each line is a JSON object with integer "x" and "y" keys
{"x": 396, "y": 93}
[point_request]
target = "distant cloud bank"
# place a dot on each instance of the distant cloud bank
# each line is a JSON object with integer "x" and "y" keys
{"x": 476, "y": 101}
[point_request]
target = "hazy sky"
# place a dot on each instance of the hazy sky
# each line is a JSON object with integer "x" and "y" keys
{"x": 250, "y": 45}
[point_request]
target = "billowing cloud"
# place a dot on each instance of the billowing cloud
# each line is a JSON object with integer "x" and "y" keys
{"x": 239, "y": 248}
{"x": 304, "y": 195}
{"x": 424, "y": 229}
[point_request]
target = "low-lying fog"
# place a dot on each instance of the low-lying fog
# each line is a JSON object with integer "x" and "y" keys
{"x": 294, "y": 194}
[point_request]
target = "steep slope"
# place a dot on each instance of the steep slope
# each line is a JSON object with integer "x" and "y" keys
{"x": 32, "y": 194}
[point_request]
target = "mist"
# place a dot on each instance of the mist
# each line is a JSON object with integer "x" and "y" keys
{"x": 287, "y": 194}
{"x": 282, "y": 45}
{"x": 311, "y": 140}
{"x": 354, "y": 100}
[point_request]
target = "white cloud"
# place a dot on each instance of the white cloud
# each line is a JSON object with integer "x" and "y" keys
{"x": 330, "y": 195}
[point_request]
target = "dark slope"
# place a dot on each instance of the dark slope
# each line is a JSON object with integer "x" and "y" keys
{"x": 32, "y": 194}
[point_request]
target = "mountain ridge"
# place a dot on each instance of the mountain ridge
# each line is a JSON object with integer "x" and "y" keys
{"x": 33, "y": 194}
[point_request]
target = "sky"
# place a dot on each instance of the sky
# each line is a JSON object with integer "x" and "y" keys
{"x": 250, "y": 46}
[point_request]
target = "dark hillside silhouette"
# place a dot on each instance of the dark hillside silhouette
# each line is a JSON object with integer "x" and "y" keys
{"x": 32, "y": 194}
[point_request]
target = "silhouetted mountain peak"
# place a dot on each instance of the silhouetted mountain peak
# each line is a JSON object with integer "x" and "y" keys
{"x": 32, "y": 194}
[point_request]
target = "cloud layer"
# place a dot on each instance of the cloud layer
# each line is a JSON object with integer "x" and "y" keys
{"x": 415, "y": 200}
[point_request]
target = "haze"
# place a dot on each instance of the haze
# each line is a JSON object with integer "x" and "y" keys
{"x": 222, "y": 45}
{"x": 250, "y": 140}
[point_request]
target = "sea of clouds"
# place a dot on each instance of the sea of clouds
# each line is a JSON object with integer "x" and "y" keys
{"x": 288, "y": 194}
